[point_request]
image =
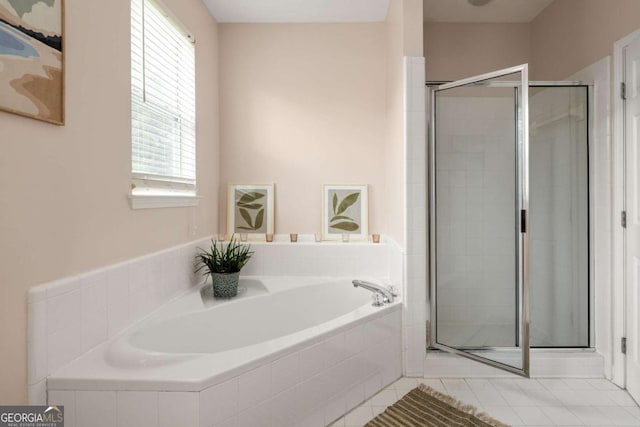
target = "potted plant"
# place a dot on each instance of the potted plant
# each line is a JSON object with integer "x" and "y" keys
{"x": 223, "y": 263}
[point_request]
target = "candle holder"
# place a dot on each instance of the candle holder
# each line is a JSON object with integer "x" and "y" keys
{"x": 345, "y": 237}
{"x": 375, "y": 238}
{"x": 293, "y": 237}
{"x": 269, "y": 237}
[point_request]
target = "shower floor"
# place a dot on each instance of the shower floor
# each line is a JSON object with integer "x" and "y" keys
{"x": 489, "y": 335}
{"x": 476, "y": 335}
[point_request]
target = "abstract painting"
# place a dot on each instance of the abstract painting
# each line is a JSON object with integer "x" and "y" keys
{"x": 345, "y": 211}
{"x": 31, "y": 59}
{"x": 250, "y": 209}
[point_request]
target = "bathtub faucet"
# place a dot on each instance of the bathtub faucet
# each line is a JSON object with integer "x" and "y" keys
{"x": 387, "y": 294}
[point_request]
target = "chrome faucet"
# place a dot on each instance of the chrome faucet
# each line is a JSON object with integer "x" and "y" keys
{"x": 388, "y": 294}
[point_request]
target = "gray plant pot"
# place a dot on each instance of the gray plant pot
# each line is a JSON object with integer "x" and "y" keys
{"x": 225, "y": 285}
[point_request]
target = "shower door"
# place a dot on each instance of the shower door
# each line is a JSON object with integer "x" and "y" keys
{"x": 478, "y": 218}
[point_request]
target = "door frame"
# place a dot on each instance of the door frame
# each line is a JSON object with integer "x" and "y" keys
{"x": 618, "y": 288}
{"x": 521, "y": 215}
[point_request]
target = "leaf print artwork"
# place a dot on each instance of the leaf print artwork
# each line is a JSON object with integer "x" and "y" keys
{"x": 346, "y": 226}
{"x": 348, "y": 201}
{"x": 345, "y": 211}
{"x": 339, "y": 220}
{"x": 246, "y": 216}
{"x": 250, "y": 209}
{"x": 337, "y": 217}
{"x": 250, "y": 206}
{"x": 259, "y": 219}
{"x": 250, "y": 197}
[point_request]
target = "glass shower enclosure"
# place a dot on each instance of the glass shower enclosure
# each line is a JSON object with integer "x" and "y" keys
{"x": 508, "y": 217}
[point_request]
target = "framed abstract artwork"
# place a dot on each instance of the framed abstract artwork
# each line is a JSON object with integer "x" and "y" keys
{"x": 250, "y": 209}
{"x": 345, "y": 210}
{"x": 32, "y": 59}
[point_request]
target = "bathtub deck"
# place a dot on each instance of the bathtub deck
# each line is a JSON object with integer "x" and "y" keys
{"x": 135, "y": 370}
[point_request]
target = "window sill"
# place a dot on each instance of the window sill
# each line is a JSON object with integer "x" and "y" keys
{"x": 154, "y": 201}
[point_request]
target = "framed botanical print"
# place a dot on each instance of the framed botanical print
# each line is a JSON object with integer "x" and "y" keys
{"x": 345, "y": 210}
{"x": 250, "y": 209}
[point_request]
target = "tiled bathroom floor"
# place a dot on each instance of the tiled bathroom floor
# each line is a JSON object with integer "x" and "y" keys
{"x": 520, "y": 402}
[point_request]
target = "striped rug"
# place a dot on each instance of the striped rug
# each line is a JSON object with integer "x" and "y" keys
{"x": 426, "y": 407}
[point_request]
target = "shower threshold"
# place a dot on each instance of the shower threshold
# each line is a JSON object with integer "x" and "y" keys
{"x": 545, "y": 363}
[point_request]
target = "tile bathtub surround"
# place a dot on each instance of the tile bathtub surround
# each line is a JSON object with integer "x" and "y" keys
{"x": 299, "y": 389}
{"x": 69, "y": 317}
{"x": 308, "y": 258}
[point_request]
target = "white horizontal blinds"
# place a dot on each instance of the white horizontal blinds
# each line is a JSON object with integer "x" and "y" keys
{"x": 162, "y": 97}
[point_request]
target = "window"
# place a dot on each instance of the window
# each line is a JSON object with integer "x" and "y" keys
{"x": 163, "y": 110}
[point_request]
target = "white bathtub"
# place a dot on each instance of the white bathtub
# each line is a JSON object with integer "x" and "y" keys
{"x": 286, "y": 351}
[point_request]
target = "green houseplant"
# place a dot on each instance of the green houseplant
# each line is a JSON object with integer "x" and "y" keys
{"x": 223, "y": 263}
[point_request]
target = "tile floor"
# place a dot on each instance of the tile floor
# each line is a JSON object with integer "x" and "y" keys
{"x": 520, "y": 402}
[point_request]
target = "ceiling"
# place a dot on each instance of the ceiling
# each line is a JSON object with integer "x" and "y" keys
{"x": 298, "y": 10}
{"x": 499, "y": 11}
{"x": 250, "y": 11}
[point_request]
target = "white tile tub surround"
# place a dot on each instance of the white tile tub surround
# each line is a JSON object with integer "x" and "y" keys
{"x": 313, "y": 386}
{"x": 415, "y": 256}
{"x": 308, "y": 258}
{"x": 107, "y": 300}
{"x": 69, "y": 317}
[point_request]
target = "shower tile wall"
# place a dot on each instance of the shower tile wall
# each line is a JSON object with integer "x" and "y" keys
{"x": 475, "y": 203}
{"x": 475, "y": 207}
{"x": 558, "y": 217}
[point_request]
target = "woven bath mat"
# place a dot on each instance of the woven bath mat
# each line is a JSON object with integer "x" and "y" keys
{"x": 426, "y": 407}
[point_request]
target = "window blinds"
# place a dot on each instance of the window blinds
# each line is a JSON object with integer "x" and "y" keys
{"x": 162, "y": 100}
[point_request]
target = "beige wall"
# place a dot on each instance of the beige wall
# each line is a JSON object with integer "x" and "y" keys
{"x": 569, "y": 35}
{"x": 403, "y": 30}
{"x": 63, "y": 204}
{"x": 307, "y": 104}
{"x": 564, "y": 38}
{"x": 303, "y": 105}
{"x": 411, "y": 27}
{"x": 394, "y": 151}
{"x": 453, "y": 51}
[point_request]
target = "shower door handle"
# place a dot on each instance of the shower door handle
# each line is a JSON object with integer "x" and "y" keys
{"x": 523, "y": 220}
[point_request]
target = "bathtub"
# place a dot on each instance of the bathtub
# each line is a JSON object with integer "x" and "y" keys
{"x": 286, "y": 351}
